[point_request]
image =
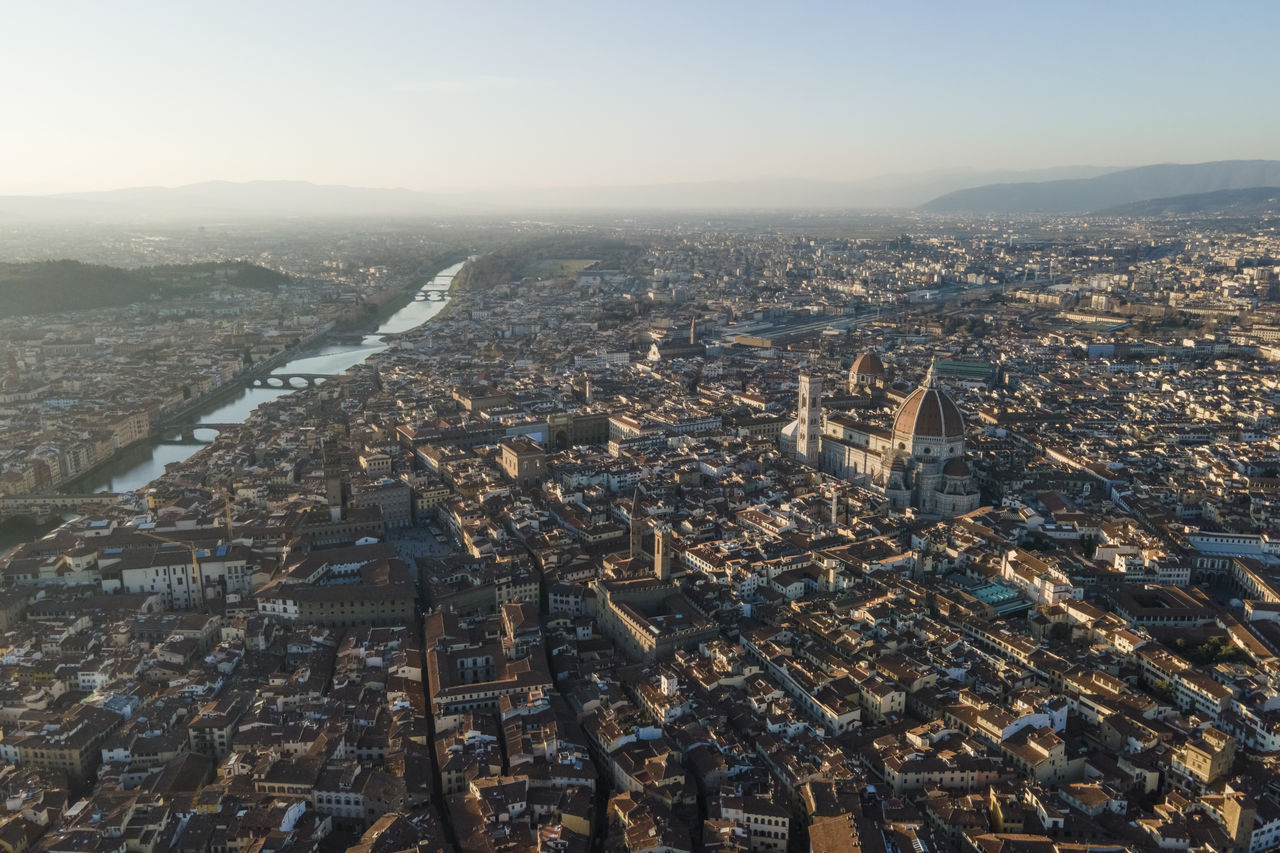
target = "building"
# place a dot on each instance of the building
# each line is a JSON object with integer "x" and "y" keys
{"x": 523, "y": 461}
{"x": 1204, "y": 759}
{"x": 394, "y": 498}
{"x": 867, "y": 374}
{"x": 73, "y": 747}
{"x": 171, "y": 571}
{"x": 362, "y": 585}
{"x": 468, "y": 669}
{"x": 649, "y": 618}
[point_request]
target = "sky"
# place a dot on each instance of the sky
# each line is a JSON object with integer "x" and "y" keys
{"x": 492, "y": 94}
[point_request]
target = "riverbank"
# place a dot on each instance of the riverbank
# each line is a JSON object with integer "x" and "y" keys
{"x": 397, "y": 302}
{"x": 134, "y": 467}
{"x": 191, "y": 410}
{"x": 456, "y": 284}
{"x": 346, "y": 325}
{"x": 211, "y": 405}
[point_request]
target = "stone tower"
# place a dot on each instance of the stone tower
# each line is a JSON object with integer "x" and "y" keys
{"x": 637, "y": 526}
{"x": 809, "y": 417}
{"x": 662, "y": 553}
{"x": 333, "y": 486}
{"x": 1239, "y": 813}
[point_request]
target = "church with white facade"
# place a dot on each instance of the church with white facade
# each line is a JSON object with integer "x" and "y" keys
{"x": 918, "y": 462}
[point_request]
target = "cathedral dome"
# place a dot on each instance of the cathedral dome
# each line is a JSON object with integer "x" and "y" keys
{"x": 929, "y": 412}
{"x": 868, "y": 364}
{"x": 956, "y": 468}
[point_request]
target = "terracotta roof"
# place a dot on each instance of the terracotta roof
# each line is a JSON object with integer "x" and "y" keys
{"x": 931, "y": 413}
{"x": 868, "y": 364}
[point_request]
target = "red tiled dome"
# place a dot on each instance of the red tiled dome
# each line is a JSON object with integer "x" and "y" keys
{"x": 956, "y": 468}
{"x": 868, "y": 364}
{"x": 929, "y": 413}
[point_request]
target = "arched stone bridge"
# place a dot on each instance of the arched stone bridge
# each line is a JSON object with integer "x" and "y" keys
{"x": 186, "y": 433}
{"x": 431, "y": 296}
{"x": 289, "y": 380}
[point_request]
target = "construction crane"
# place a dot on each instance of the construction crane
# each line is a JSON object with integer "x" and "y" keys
{"x": 197, "y": 571}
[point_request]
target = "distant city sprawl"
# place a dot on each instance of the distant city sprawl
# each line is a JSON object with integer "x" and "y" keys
{"x": 745, "y": 534}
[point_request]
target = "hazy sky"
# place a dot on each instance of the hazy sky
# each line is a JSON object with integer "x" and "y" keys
{"x": 480, "y": 93}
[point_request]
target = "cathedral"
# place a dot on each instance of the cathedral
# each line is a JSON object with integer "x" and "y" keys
{"x": 918, "y": 462}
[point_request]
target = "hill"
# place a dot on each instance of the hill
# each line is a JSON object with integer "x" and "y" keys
{"x": 300, "y": 199}
{"x": 880, "y": 193}
{"x": 1106, "y": 191}
{"x": 1251, "y": 202}
{"x": 54, "y": 286}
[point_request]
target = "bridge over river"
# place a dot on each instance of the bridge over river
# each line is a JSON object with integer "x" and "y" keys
{"x": 174, "y": 441}
{"x": 289, "y": 380}
{"x": 165, "y": 432}
{"x": 186, "y": 433}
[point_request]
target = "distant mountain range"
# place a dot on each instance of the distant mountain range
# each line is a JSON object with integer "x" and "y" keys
{"x": 303, "y": 199}
{"x": 887, "y": 192}
{"x": 1069, "y": 189}
{"x": 1104, "y": 192}
{"x": 1251, "y": 202}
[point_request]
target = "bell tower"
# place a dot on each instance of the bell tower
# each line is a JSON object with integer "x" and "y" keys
{"x": 662, "y": 547}
{"x": 334, "y": 490}
{"x": 809, "y": 420}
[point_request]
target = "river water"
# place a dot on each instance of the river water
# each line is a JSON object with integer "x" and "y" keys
{"x": 139, "y": 465}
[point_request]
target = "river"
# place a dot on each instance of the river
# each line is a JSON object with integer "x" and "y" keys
{"x": 141, "y": 464}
